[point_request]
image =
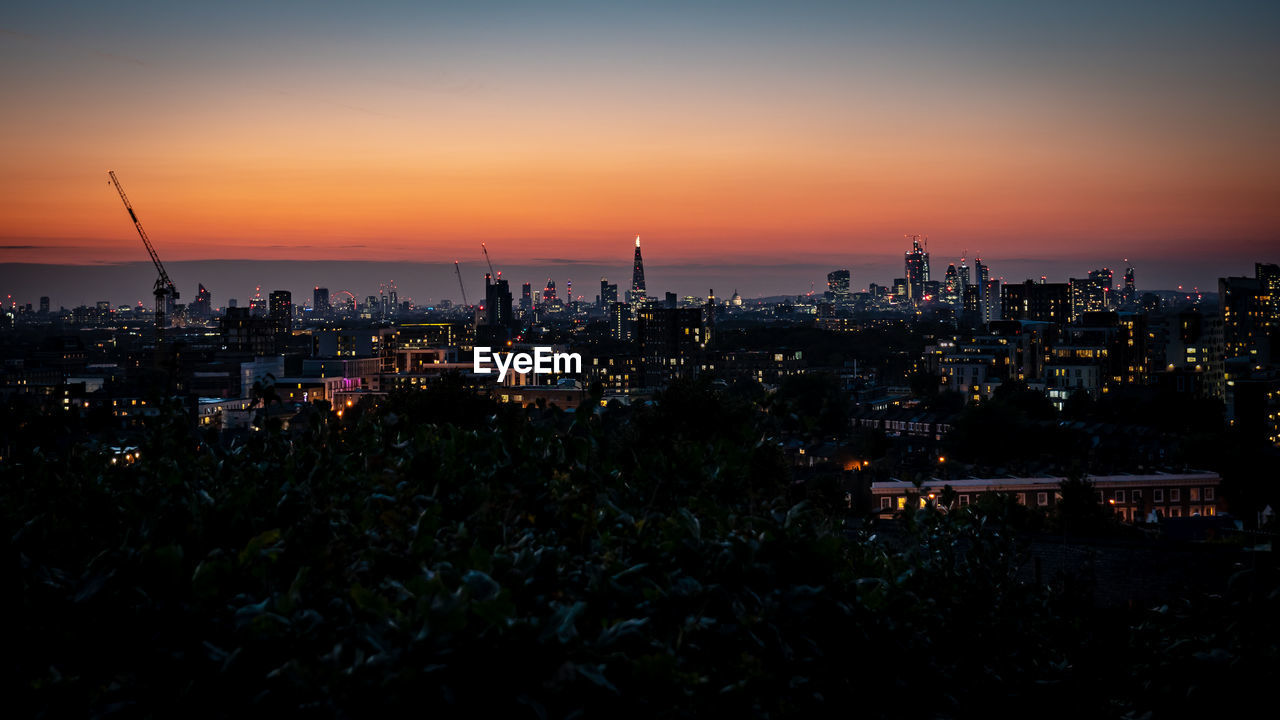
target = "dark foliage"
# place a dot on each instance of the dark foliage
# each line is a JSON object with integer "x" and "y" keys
{"x": 445, "y": 554}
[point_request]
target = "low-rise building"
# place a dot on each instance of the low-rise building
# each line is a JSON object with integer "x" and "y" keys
{"x": 1134, "y": 498}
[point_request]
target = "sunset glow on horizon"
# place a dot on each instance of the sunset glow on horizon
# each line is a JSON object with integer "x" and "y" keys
{"x": 818, "y": 130}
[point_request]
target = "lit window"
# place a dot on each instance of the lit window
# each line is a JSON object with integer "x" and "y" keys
{"x": 1193, "y": 494}
{"x": 1175, "y": 495}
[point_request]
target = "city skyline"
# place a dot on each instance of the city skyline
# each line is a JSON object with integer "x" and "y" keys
{"x": 814, "y": 135}
{"x": 578, "y": 358}
{"x": 129, "y": 282}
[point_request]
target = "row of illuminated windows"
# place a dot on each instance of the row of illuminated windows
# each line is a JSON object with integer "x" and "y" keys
{"x": 888, "y": 503}
{"x": 1194, "y": 494}
{"x": 1158, "y": 495}
{"x": 1136, "y": 515}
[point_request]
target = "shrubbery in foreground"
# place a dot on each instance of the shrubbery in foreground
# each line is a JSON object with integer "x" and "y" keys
{"x": 655, "y": 562}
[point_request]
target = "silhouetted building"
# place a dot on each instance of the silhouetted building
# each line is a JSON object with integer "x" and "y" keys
{"x": 1047, "y": 302}
{"x": 497, "y": 303}
{"x": 320, "y": 302}
{"x": 917, "y": 269}
{"x": 281, "y": 312}
{"x": 1248, "y": 309}
{"x": 202, "y": 307}
{"x": 671, "y": 342}
{"x": 951, "y": 286}
{"x": 620, "y": 321}
{"x": 637, "y": 294}
{"x": 1087, "y": 295}
{"x": 608, "y": 293}
{"x": 838, "y": 287}
{"x": 1188, "y": 348}
{"x": 244, "y": 332}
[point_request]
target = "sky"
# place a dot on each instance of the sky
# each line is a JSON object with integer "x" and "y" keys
{"x": 760, "y": 141}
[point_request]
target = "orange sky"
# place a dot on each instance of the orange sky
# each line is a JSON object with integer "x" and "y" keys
{"x": 764, "y": 139}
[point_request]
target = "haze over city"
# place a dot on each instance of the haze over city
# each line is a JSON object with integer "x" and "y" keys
{"x": 761, "y": 144}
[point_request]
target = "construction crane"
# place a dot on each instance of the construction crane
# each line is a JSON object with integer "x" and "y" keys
{"x": 460, "y": 287}
{"x": 486, "y": 259}
{"x": 164, "y": 288}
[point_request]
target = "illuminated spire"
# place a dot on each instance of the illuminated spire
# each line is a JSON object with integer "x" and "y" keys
{"x": 637, "y": 276}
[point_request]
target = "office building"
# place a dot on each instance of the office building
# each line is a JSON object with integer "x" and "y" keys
{"x": 281, "y": 312}
{"x": 917, "y": 270}
{"x": 838, "y": 287}
{"x": 320, "y": 302}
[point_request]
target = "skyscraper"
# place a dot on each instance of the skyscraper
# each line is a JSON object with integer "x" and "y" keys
{"x": 952, "y": 293}
{"x": 982, "y": 280}
{"x": 320, "y": 302}
{"x": 608, "y": 292}
{"x": 497, "y": 302}
{"x": 637, "y": 277}
{"x": 258, "y": 304}
{"x": 917, "y": 263}
{"x": 202, "y": 307}
{"x": 838, "y": 286}
{"x": 991, "y": 300}
{"x": 281, "y": 312}
{"x": 1106, "y": 280}
{"x": 526, "y": 298}
{"x": 620, "y": 323}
